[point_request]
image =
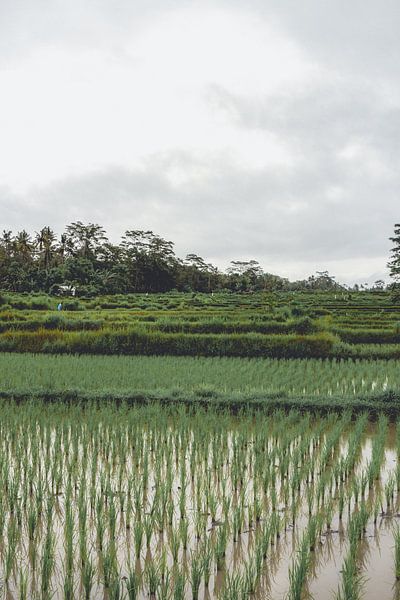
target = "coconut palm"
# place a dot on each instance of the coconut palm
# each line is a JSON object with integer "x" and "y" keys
{"x": 45, "y": 240}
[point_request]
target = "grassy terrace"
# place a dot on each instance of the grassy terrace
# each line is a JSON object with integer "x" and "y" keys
{"x": 281, "y": 325}
{"x": 273, "y": 349}
{"x": 161, "y": 447}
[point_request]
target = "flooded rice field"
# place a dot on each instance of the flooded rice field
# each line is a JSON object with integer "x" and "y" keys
{"x": 165, "y": 503}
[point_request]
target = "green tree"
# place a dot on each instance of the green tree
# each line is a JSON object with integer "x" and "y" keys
{"x": 84, "y": 240}
{"x": 45, "y": 241}
{"x": 150, "y": 260}
{"x": 7, "y": 244}
{"x": 23, "y": 247}
{"x": 244, "y": 275}
{"x": 394, "y": 262}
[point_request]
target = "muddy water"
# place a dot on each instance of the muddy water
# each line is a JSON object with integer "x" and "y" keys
{"x": 375, "y": 554}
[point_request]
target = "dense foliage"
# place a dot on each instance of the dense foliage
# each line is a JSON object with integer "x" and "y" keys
{"x": 83, "y": 258}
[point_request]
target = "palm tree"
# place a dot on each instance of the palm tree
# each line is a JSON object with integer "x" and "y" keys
{"x": 6, "y": 243}
{"x": 45, "y": 241}
{"x": 23, "y": 246}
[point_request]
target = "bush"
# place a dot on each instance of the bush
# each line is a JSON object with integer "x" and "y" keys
{"x": 178, "y": 344}
{"x": 368, "y": 336}
{"x": 39, "y": 305}
{"x": 72, "y": 305}
{"x": 304, "y": 326}
{"x": 3, "y": 300}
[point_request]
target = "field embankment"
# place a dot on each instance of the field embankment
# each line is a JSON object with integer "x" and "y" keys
{"x": 279, "y": 325}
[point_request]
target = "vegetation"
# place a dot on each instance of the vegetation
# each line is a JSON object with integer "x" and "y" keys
{"x": 203, "y": 441}
{"x": 282, "y": 325}
{"x": 394, "y": 262}
{"x": 111, "y": 374}
{"x": 231, "y": 383}
{"x": 170, "y": 502}
{"x": 83, "y": 258}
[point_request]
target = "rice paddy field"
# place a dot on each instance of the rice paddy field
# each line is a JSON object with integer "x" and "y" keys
{"x": 137, "y": 502}
{"x": 274, "y": 325}
{"x": 115, "y": 374}
{"x": 188, "y": 446}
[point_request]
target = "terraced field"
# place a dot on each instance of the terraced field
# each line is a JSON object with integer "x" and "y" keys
{"x": 286, "y": 325}
{"x": 195, "y": 446}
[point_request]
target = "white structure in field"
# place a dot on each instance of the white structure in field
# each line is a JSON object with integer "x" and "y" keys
{"x": 67, "y": 289}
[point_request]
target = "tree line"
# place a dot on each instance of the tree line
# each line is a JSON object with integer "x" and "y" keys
{"x": 84, "y": 258}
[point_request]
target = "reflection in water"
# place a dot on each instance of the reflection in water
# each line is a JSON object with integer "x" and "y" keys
{"x": 149, "y": 497}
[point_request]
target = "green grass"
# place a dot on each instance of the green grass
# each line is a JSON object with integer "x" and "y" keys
{"x": 230, "y": 383}
{"x": 280, "y": 325}
{"x": 124, "y": 374}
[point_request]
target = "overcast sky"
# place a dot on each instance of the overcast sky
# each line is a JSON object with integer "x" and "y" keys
{"x": 239, "y": 129}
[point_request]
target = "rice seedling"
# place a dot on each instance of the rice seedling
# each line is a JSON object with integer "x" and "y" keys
{"x": 110, "y": 568}
{"x": 115, "y": 589}
{"x": 88, "y": 578}
{"x": 220, "y": 547}
{"x": 179, "y": 585}
{"x": 298, "y": 570}
{"x": 196, "y": 573}
{"x": 251, "y": 577}
{"x": 119, "y": 375}
{"x": 165, "y": 501}
{"x": 206, "y": 561}
{"x": 234, "y": 588}
{"x": 314, "y": 530}
{"x": 389, "y": 493}
{"x": 132, "y": 584}
{"x": 184, "y": 533}
{"x": 138, "y": 531}
{"x": 164, "y": 590}
{"x": 396, "y": 535}
{"x": 68, "y": 589}
{"x": 351, "y": 584}
{"x": 152, "y": 577}
{"x": 23, "y": 585}
{"x": 48, "y": 564}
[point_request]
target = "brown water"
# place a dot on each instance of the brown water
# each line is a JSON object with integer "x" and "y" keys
{"x": 375, "y": 555}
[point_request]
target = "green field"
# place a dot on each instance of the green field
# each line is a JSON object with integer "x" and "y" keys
{"x": 128, "y": 503}
{"x": 186, "y": 446}
{"x": 273, "y": 349}
{"x": 119, "y": 375}
{"x": 276, "y": 325}
{"x": 233, "y": 383}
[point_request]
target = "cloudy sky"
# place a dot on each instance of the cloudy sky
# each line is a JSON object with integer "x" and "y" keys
{"x": 240, "y": 129}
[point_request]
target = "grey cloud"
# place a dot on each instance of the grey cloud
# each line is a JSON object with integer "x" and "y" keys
{"x": 107, "y": 24}
{"x": 326, "y": 114}
{"x": 230, "y": 213}
{"x": 323, "y": 208}
{"x": 360, "y": 36}
{"x": 318, "y": 124}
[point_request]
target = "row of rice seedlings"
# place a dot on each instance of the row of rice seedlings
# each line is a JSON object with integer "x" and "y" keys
{"x": 351, "y": 584}
{"x": 122, "y": 374}
{"x": 143, "y": 501}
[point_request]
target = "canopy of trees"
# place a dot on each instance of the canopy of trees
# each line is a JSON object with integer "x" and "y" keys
{"x": 84, "y": 258}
